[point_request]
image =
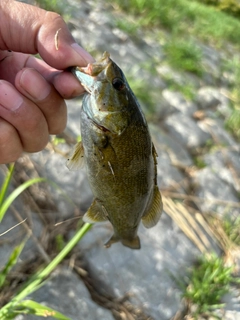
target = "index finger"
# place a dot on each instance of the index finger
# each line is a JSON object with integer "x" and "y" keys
{"x": 28, "y": 29}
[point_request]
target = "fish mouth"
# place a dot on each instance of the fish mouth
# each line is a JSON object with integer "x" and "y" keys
{"x": 88, "y": 75}
{"x": 95, "y": 68}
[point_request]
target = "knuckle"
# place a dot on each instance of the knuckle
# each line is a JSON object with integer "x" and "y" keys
{"x": 53, "y": 16}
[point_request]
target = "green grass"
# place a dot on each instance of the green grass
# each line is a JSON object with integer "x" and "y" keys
{"x": 130, "y": 27}
{"x": 231, "y": 7}
{"x": 58, "y": 6}
{"x": 187, "y": 89}
{"x": 199, "y": 162}
{"x": 51, "y": 5}
{"x": 184, "y": 55}
{"x": 232, "y": 123}
{"x": 178, "y": 26}
{"x": 199, "y": 20}
{"x": 16, "y": 305}
{"x": 208, "y": 282}
{"x": 144, "y": 93}
{"x": 12, "y": 261}
{"x": 232, "y": 228}
{"x": 5, "y": 202}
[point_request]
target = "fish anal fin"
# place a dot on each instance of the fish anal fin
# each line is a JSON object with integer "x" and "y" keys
{"x": 76, "y": 160}
{"x": 95, "y": 213}
{"x": 132, "y": 243}
{"x": 154, "y": 211}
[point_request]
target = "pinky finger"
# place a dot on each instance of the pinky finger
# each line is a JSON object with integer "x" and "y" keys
{"x": 10, "y": 143}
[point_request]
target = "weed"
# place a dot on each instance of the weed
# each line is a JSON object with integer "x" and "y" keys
{"x": 233, "y": 123}
{"x": 232, "y": 229}
{"x": 16, "y": 306}
{"x": 58, "y": 6}
{"x": 187, "y": 89}
{"x": 50, "y": 5}
{"x": 199, "y": 162}
{"x": 144, "y": 92}
{"x": 184, "y": 55}
{"x": 11, "y": 263}
{"x": 56, "y": 140}
{"x": 127, "y": 26}
{"x": 232, "y": 7}
{"x": 209, "y": 281}
{"x": 60, "y": 243}
{"x": 178, "y": 16}
{"x": 5, "y": 203}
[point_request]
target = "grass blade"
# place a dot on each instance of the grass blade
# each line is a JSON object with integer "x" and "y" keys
{"x": 37, "y": 279}
{"x": 6, "y": 183}
{"x": 32, "y": 307}
{"x": 11, "y": 262}
{"x": 6, "y": 203}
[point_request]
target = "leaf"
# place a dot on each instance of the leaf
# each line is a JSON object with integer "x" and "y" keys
{"x": 11, "y": 262}
{"x": 33, "y": 307}
{"x": 6, "y": 182}
{"x": 36, "y": 281}
{"x": 9, "y": 200}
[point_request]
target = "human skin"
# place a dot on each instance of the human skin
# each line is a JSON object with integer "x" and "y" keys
{"x": 32, "y": 91}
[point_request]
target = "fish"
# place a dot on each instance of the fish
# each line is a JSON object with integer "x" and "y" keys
{"x": 118, "y": 153}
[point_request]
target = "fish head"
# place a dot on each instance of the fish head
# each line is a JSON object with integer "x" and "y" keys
{"x": 108, "y": 94}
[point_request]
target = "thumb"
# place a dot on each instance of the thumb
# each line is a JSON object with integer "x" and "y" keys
{"x": 29, "y": 29}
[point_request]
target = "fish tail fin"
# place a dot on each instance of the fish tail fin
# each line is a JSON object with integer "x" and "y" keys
{"x": 133, "y": 243}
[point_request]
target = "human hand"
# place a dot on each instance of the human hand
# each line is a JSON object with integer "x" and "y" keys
{"x": 32, "y": 91}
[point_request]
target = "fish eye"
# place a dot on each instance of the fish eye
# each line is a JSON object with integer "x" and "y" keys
{"x": 118, "y": 84}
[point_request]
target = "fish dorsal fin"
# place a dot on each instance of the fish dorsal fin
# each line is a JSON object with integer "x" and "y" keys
{"x": 151, "y": 217}
{"x": 132, "y": 244}
{"x": 95, "y": 213}
{"x": 76, "y": 160}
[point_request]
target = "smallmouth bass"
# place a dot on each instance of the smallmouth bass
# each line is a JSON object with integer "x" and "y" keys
{"x": 118, "y": 153}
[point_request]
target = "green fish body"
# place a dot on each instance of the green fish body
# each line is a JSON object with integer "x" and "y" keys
{"x": 118, "y": 153}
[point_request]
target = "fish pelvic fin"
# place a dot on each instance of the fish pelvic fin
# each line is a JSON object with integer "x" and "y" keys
{"x": 152, "y": 216}
{"x": 112, "y": 240}
{"x": 76, "y": 159}
{"x": 95, "y": 213}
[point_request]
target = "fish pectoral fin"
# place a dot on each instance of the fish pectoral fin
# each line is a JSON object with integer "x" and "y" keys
{"x": 152, "y": 216}
{"x": 132, "y": 243}
{"x": 76, "y": 160}
{"x": 95, "y": 213}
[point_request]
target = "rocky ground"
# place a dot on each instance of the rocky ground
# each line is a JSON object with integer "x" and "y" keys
{"x": 198, "y": 168}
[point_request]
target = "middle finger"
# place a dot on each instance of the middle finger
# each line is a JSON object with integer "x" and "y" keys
{"x": 35, "y": 87}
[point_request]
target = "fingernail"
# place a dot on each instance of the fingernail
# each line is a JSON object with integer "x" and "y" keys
{"x": 34, "y": 84}
{"x": 84, "y": 54}
{"x": 9, "y": 98}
